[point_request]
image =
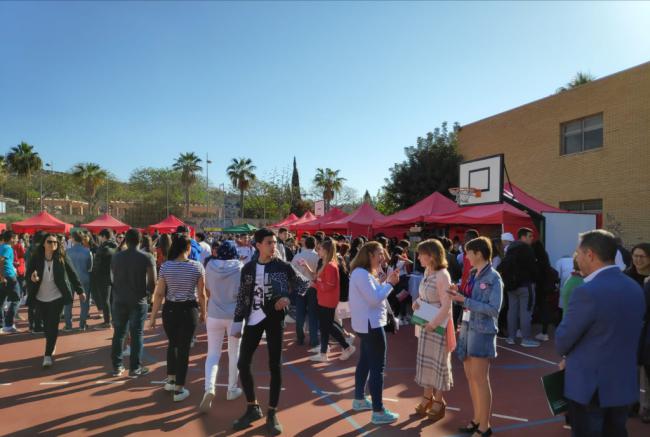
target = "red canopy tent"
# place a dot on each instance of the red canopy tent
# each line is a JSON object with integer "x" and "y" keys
{"x": 289, "y": 219}
{"x": 357, "y": 223}
{"x": 504, "y": 214}
{"x": 167, "y": 226}
{"x": 41, "y": 222}
{"x": 516, "y": 193}
{"x": 306, "y": 218}
{"x": 106, "y": 221}
{"x": 434, "y": 204}
{"x": 315, "y": 225}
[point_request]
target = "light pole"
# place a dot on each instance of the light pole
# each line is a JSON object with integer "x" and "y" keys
{"x": 207, "y": 186}
{"x": 47, "y": 164}
{"x": 223, "y": 202}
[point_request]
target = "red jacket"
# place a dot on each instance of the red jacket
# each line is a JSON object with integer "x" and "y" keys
{"x": 328, "y": 287}
{"x": 19, "y": 259}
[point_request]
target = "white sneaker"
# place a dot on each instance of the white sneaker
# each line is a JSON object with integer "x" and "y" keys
{"x": 542, "y": 337}
{"x": 47, "y": 361}
{"x": 206, "y": 403}
{"x": 233, "y": 394}
{"x": 519, "y": 335}
{"x": 347, "y": 353}
{"x": 169, "y": 385}
{"x": 510, "y": 340}
{"x": 181, "y": 395}
{"x": 289, "y": 319}
{"x": 315, "y": 350}
{"x": 126, "y": 352}
{"x": 9, "y": 329}
{"x": 321, "y": 358}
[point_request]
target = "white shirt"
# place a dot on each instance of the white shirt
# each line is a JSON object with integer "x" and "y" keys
{"x": 246, "y": 252}
{"x": 311, "y": 258}
{"x": 48, "y": 291}
{"x": 262, "y": 285}
{"x": 593, "y": 274}
{"x": 206, "y": 252}
{"x": 564, "y": 267}
{"x": 618, "y": 260}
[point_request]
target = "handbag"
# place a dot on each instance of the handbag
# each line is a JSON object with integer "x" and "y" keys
{"x": 392, "y": 325}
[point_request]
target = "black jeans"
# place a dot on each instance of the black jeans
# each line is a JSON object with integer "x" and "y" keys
{"x": 103, "y": 300}
{"x": 51, "y": 313}
{"x": 179, "y": 321}
{"x": 273, "y": 324}
{"x": 595, "y": 421}
{"x": 328, "y": 327}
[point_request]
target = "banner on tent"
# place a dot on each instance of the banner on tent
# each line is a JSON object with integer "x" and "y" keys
{"x": 319, "y": 208}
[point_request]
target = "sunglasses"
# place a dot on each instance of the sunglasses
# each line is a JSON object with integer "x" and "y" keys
{"x": 52, "y": 242}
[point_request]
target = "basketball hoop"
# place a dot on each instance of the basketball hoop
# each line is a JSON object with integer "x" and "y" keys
{"x": 462, "y": 195}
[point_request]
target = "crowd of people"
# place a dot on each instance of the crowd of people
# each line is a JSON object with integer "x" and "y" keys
{"x": 244, "y": 290}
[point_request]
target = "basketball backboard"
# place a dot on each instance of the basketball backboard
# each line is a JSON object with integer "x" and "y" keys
{"x": 484, "y": 176}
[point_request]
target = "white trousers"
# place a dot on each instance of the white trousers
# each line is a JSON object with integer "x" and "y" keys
{"x": 216, "y": 329}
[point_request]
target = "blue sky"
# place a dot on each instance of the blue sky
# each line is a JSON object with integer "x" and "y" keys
{"x": 339, "y": 85}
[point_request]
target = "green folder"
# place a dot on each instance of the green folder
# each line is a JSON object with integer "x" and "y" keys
{"x": 554, "y": 389}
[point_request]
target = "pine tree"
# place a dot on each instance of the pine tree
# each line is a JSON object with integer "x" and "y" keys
{"x": 367, "y": 198}
{"x": 296, "y": 198}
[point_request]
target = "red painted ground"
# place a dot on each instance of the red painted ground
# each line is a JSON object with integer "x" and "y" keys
{"x": 78, "y": 397}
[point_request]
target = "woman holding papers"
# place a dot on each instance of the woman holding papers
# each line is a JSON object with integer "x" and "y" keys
{"x": 433, "y": 314}
{"x": 477, "y": 341}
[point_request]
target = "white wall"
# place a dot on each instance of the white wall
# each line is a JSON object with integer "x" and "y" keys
{"x": 562, "y": 231}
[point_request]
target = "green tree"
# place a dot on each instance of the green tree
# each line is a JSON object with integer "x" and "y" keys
{"x": 3, "y": 174}
{"x": 329, "y": 182}
{"x": 367, "y": 198}
{"x": 580, "y": 78}
{"x": 296, "y": 197}
{"x": 241, "y": 174}
{"x": 91, "y": 177}
{"x": 431, "y": 165}
{"x": 188, "y": 165}
{"x": 24, "y": 162}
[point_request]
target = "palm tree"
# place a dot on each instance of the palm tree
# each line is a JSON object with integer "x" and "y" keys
{"x": 579, "y": 79}
{"x": 188, "y": 165}
{"x": 90, "y": 176}
{"x": 240, "y": 172}
{"x": 330, "y": 182}
{"x": 25, "y": 162}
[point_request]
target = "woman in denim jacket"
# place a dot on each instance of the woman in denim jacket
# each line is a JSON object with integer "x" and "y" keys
{"x": 477, "y": 341}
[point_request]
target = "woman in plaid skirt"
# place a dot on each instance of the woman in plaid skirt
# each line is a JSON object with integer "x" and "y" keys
{"x": 433, "y": 364}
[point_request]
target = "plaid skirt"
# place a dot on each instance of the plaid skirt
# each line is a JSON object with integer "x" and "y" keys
{"x": 433, "y": 362}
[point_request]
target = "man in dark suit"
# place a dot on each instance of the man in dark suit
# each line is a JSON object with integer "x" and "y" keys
{"x": 599, "y": 336}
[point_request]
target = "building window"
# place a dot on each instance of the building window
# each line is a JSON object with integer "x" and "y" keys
{"x": 592, "y": 205}
{"x": 583, "y": 134}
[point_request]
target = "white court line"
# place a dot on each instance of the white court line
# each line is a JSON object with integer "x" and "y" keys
{"x": 6, "y": 383}
{"x": 333, "y": 393}
{"x": 518, "y": 419}
{"x": 389, "y": 399}
{"x": 268, "y": 388}
{"x": 54, "y": 383}
{"x": 528, "y": 355}
{"x": 158, "y": 382}
{"x": 106, "y": 381}
{"x": 453, "y": 408}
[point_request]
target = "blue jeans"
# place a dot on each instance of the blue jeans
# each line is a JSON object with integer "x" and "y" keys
{"x": 370, "y": 368}
{"x": 83, "y": 316}
{"x": 10, "y": 292}
{"x": 595, "y": 421}
{"x": 307, "y": 306}
{"x": 132, "y": 316}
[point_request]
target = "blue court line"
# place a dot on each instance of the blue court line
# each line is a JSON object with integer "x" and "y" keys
{"x": 313, "y": 387}
{"x": 519, "y": 425}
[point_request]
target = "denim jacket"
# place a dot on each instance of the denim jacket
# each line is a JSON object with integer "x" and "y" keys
{"x": 485, "y": 303}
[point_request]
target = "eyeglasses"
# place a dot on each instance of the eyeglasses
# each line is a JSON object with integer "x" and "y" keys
{"x": 52, "y": 242}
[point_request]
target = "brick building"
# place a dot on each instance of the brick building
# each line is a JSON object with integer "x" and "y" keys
{"x": 585, "y": 149}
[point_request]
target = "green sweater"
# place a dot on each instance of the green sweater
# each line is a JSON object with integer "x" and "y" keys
{"x": 565, "y": 294}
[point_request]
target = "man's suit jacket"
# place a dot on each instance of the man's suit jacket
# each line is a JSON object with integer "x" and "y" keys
{"x": 599, "y": 335}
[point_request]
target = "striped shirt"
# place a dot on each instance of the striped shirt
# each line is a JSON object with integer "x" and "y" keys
{"x": 181, "y": 278}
